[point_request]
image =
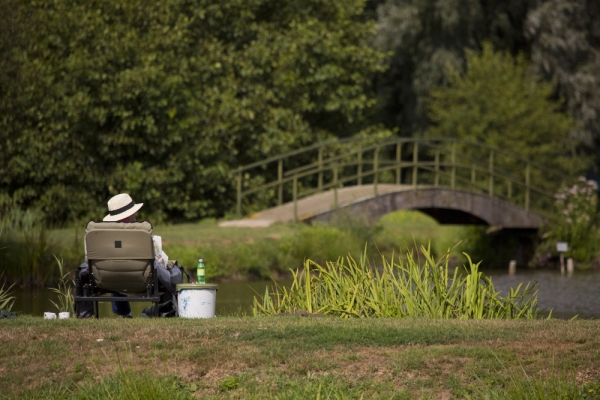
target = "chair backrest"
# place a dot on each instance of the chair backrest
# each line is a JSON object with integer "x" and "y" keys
{"x": 120, "y": 255}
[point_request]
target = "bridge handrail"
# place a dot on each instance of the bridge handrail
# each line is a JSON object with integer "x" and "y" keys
{"x": 388, "y": 143}
{"x": 309, "y": 167}
{"x": 332, "y": 163}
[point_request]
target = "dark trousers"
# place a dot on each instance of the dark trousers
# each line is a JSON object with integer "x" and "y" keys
{"x": 86, "y": 309}
{"x": 120, "y": 307}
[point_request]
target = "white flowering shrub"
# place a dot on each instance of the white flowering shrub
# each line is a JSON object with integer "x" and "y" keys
{"x": 575, "y": 222}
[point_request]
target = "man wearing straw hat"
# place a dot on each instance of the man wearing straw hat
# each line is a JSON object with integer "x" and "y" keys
{"x": 121, "y": 208}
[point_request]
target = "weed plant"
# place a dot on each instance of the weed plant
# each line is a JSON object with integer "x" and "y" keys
{"x": 411, "y": 288}
{"x": 64, "y": 290}
{"x": 6, "y": 298}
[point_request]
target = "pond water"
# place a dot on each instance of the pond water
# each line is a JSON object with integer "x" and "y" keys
{"x": 233, "y": 298}
{"x": 567, "y": 296}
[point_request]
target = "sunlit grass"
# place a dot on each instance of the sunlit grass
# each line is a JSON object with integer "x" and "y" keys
{"x": 265, "y": 252}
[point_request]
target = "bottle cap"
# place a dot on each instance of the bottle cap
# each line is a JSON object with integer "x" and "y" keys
{"x": 200, "y": 260}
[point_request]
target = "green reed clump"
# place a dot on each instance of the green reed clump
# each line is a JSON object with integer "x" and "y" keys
{"x": 6, "y": 297}
{"x": 64, "y": 290}
{"x": 26, "y": 248}
{"x": 408, "y": 288}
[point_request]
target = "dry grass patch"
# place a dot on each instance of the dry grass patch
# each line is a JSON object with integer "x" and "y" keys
{"x": 295, "y": 356}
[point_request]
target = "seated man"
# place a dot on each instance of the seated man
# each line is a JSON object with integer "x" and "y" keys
{"x": 121, "y": 208}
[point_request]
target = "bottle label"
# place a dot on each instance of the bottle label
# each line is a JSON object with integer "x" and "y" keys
{"x": 200, "y": 272}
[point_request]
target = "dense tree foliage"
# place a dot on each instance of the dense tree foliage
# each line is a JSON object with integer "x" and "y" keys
{"x": 162, "y": 99}
{"x": 500, "y": 103}
{"x": 565, "y": 47}
{"x": 427, "y": 35}
{"x": 561, "y": 38}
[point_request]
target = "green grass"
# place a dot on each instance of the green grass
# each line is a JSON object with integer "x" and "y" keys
{"x": 296, "y": 357}
{"x": 241, "y": 253}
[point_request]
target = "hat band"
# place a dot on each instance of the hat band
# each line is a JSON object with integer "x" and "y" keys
{"x": 122, "y": 209}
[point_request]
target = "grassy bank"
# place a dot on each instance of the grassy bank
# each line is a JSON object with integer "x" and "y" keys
{"x": 242, "y": 253}
{"x": 296, "y": 357}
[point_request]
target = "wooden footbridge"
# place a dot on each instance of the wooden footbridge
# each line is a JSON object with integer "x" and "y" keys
{"x": 455, "y": 182}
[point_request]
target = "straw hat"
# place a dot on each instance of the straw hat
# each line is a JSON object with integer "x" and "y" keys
{"x": 120, "y": 207}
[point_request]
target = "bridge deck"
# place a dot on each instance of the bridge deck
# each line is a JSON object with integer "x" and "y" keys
{"x": 449, "y": 206}
{"x": 315, "y": 205}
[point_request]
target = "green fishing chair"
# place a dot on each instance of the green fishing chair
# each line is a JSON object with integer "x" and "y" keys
{"x": 120, "y": 259}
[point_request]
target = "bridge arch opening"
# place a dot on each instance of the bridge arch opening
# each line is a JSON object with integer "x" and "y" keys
{"x": 449, "y": 216}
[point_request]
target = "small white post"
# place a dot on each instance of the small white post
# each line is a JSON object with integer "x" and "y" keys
{"x": 562, "y": 247}
{"x": 512, "y": 267}
{"x": 570, "y": 266}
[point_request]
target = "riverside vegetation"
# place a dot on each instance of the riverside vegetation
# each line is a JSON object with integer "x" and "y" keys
{"x": 233, "y": 253}
{"x": 347, "y": 288}
{"x": 430, "y": 353}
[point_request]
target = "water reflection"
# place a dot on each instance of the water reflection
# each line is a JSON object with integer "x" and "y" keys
{"x": 566, "y": 295}
{"x": 233, "y": 298}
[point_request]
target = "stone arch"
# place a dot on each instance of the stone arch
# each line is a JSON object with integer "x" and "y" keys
{"x": 445, "y": 205}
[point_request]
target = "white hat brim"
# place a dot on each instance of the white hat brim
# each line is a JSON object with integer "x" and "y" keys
{"x": 124, "y": 214}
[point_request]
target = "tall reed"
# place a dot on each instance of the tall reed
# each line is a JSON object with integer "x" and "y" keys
{"x": 6, "y": 298}
{"x": 406, "y": 288}
{"x": 27, "y": 251}
{"x": 64, "y": 290}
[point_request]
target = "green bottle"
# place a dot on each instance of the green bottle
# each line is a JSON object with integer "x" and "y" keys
{"x": 200, "y": 272}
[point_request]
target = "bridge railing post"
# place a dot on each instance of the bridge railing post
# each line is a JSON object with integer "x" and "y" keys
{"x": 415, "y": 164}
{"x": 436, "y": 178}
{"x": 491, "y": 174}
{"x": 453, "y": 168}
{"x": 398, "y": 163}
{"x": 320, "y": 162}
{"x": 280, "y": 182}
{"x": 360, "y": 166}
{"x": 527, "y": 172}
{"x": 375, "y": 170}
{"x": 295, "y": 196}
{"x": 335, "y": 186}
{"x": 239, "y": 193}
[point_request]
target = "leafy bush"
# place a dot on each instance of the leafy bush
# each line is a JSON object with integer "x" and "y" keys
{"x": 575, "y": 221}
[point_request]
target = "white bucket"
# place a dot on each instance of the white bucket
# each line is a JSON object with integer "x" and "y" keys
{"x": 196, "y": 300}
